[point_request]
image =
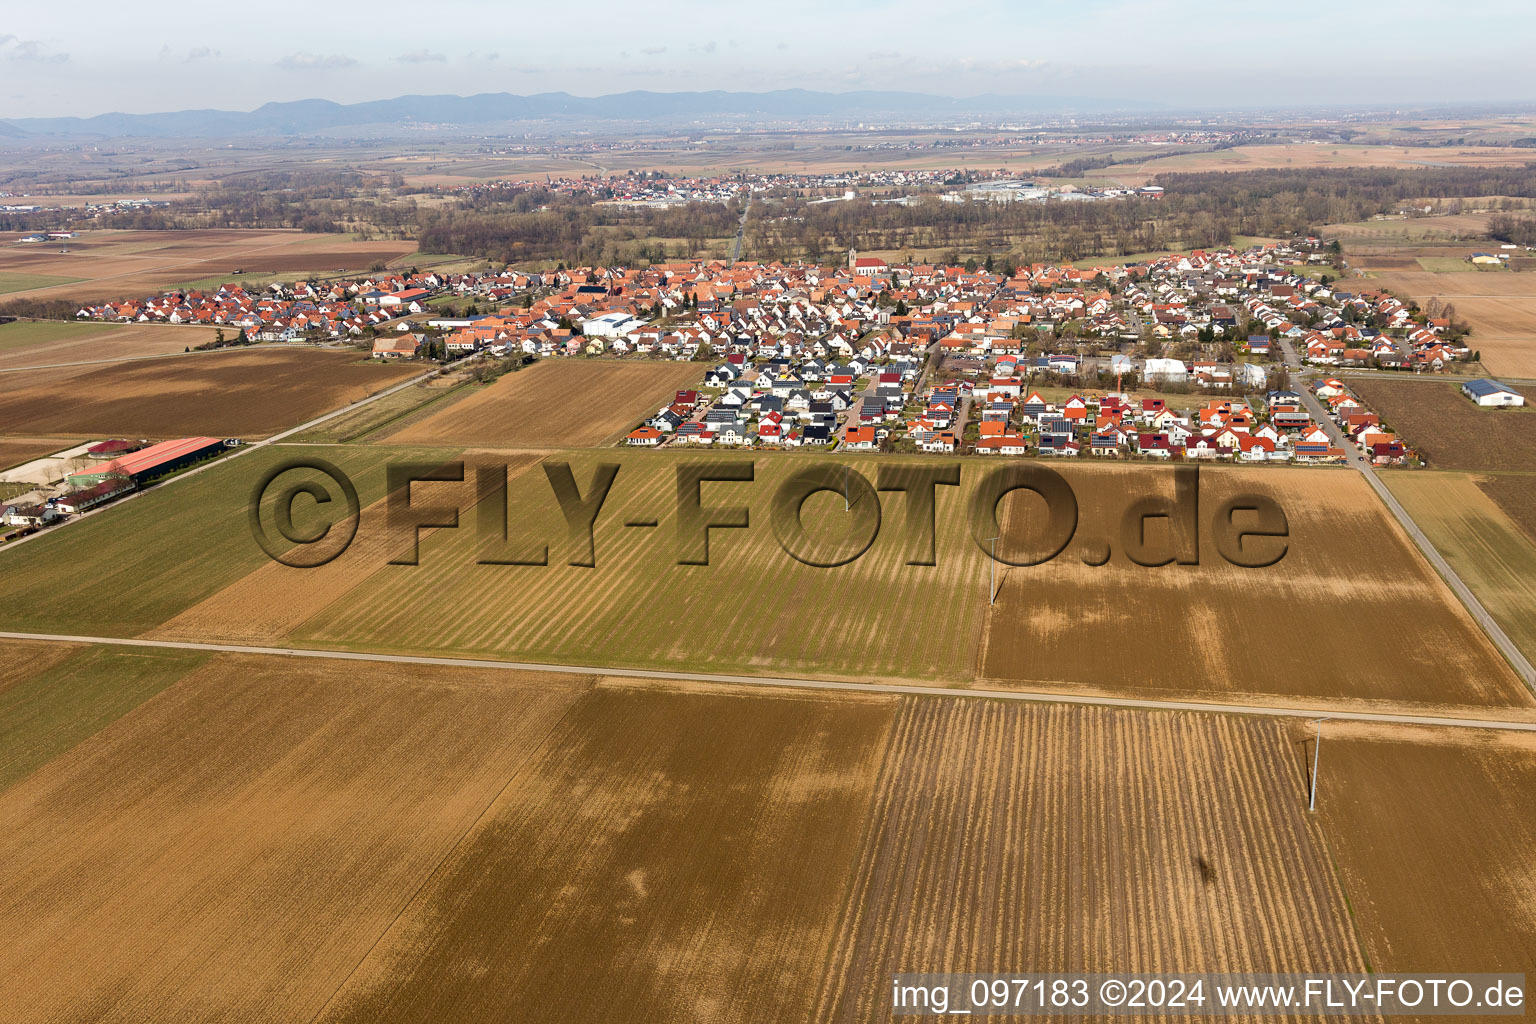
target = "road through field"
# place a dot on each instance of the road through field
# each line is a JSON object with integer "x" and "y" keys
{"x": 781, "y": 682}
{"x": 1501, "y": 640}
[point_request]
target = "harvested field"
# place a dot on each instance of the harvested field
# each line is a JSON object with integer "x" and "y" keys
{"x": 666, "y": 856}
{"x": 1485, "y": 547}
{"x": 1432, "y": 833}
{"x": 1438, "y": 421}
{"x": 130, "y": 264}
{"x": 1329, "y": 621}
{"x": 754, "y": 608}
{"x": 233, "y": 849}
{"x": 1501, "y": 307}
{"x": 1083, "y": 839}
{"x": 566, "y": 403}
{"x": 25, "y": 344}
{"x": 228, "y": 393}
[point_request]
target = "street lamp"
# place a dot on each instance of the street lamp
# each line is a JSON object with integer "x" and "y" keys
{"x": 1317, "y": 747}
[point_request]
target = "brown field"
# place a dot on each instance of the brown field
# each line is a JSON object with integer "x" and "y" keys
{"x": 115, "y": 341}
{"x": 1083, "y": 840}
{"x": 564, "y": 403}
{"x": 1448, "y": 430}
{"x": 128, "y": 264}
{"x": 229, "y": 393}
{"x": 234, "y": 847}
{"x": 1298, "y": 156}
{"x": 14, "y": 451}
{"x": 1329, "y": 621}
{"x": 1361, "y": 235}
{"x": 1432, "y": 832}
{"x": 1501, "y": 307}
{"x": 577, "y": 896}
{"x": 1516, "y": 496}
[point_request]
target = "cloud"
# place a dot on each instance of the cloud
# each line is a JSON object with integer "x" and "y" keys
{"x": 31, "y": 50}
{"x": 653, "y": 51}
{"x": 202, "y": 53}
{"x": 422, "y": 56}
{"x": 315, "y": 62}
{"x": 708, "y": 47}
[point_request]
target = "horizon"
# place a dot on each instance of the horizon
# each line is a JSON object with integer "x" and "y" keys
{"x": 1159, "y": 52}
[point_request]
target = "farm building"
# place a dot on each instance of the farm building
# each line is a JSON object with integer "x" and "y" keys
{"x": 90, "y": 497}
{"x": 1491, "y": 393}
{"x": 149, "y": 463}
{"x": 112, "y": 449}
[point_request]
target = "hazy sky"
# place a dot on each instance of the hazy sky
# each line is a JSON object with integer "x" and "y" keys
{"x": 93, "y": 56}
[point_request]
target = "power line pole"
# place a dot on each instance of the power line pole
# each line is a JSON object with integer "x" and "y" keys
{"x": 1317, "y": 748}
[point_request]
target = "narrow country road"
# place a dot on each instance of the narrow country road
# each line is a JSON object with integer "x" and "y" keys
{"x": 781, "y": 682}
{"x": 1501, "y": 640}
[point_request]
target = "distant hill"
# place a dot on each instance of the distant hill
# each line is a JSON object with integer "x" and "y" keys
{"x": 304, "y": 117}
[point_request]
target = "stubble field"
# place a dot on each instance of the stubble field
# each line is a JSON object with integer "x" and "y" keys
{"x": 130, "y": 264}
{"x": 1327, "y": 621}
{"x": 1443, "y": 425}
{"x": 556, "y": 403}
{"x": 229, "y": 393}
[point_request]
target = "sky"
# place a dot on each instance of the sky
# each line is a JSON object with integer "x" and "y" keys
{"x": 96, "y": 56}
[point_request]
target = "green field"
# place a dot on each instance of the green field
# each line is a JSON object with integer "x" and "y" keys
{"x": 11, "y": 281}
{"x": 753, "y": 608}
{"x": 23, "y": 333}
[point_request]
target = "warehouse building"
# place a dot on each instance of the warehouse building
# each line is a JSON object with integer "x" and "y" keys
{"x": 150, "y": 463}
{"x": 1491, "y": 393}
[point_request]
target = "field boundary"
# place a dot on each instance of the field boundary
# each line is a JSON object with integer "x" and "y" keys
{"x": 242, "y": 450}
{"x": 792, "y": 682}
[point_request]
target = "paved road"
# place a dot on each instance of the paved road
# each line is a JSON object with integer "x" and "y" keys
{"x": 242, "y": 450}
{"x": 1501, "y": 640}
{"x": 782, "y": 682}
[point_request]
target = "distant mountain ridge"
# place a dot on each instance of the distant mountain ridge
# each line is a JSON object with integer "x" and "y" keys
{"x": 302, "y": 117}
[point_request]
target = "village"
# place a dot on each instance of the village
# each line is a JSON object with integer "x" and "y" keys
{"x": 1204, "y": 355}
